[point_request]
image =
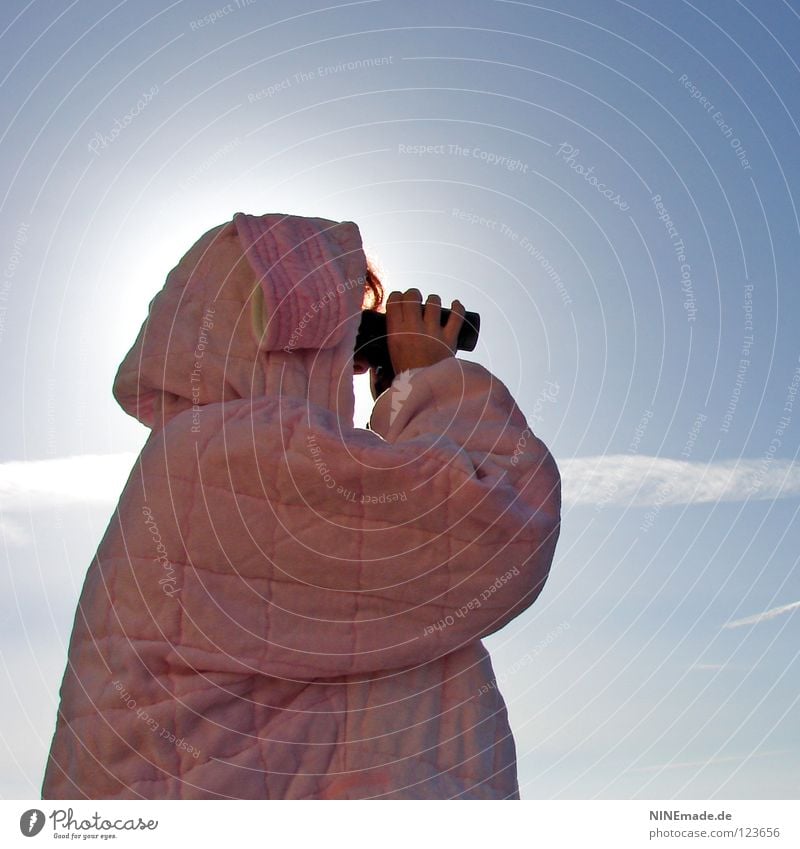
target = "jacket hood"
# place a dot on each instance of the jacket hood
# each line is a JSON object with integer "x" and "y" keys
{"x": 260, "y": 305}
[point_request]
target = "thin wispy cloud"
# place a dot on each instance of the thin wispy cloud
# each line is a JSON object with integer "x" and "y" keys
{"x": 705, "y": 763}
{"x": 620, "y": 480}
{"x": 643, "y": 481}
{"x": 758, "y": 618}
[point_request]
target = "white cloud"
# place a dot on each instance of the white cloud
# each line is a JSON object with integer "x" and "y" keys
{"x": 87, "y": 478}
{"x": 622, "y": 480}
{"x": 642, "y": 481}
{"x": 12, "y": 533}
{"x": 763, "y": 617}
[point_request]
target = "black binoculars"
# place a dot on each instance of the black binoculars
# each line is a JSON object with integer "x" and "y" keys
{"x": 372, "y": 345}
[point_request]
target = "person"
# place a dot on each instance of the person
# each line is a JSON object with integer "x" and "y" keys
{"x": 283, "y": 605}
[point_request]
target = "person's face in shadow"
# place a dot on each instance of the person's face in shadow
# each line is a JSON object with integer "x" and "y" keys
{"x": 361, "y": 366}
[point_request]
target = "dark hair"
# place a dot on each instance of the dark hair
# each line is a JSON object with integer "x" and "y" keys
{"x": 373, "y": 290}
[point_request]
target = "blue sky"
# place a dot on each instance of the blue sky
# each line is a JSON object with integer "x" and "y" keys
{"x": 611, "y": 185}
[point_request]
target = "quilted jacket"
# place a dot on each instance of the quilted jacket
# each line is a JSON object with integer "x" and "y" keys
{"x": 284, "y": 606}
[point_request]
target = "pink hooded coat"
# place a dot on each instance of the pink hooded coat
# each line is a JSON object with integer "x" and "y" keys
{"x": 284, "y": 606}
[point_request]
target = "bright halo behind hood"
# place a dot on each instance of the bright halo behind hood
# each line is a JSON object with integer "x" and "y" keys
{"x": 260, "y": 305}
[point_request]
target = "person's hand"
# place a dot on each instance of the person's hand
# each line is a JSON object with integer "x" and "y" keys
{"x": 414, "y": 333}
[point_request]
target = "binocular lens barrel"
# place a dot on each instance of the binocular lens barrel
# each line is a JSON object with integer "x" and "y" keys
{"x": 372, "y": 331}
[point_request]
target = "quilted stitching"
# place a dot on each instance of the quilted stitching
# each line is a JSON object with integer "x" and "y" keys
{"x": 319, "y": 646}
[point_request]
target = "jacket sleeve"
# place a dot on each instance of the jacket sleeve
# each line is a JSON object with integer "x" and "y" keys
{"x": 307, "y": 552}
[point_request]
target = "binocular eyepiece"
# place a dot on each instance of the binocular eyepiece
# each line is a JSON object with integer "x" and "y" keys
{"x": 372, "y": 345}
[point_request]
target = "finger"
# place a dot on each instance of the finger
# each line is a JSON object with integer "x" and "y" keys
{"x": 394, "y": 310}
{"x": 453, "y": 326}
{"x": 433, "y": 314}
{"x": 412, "y": 306}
